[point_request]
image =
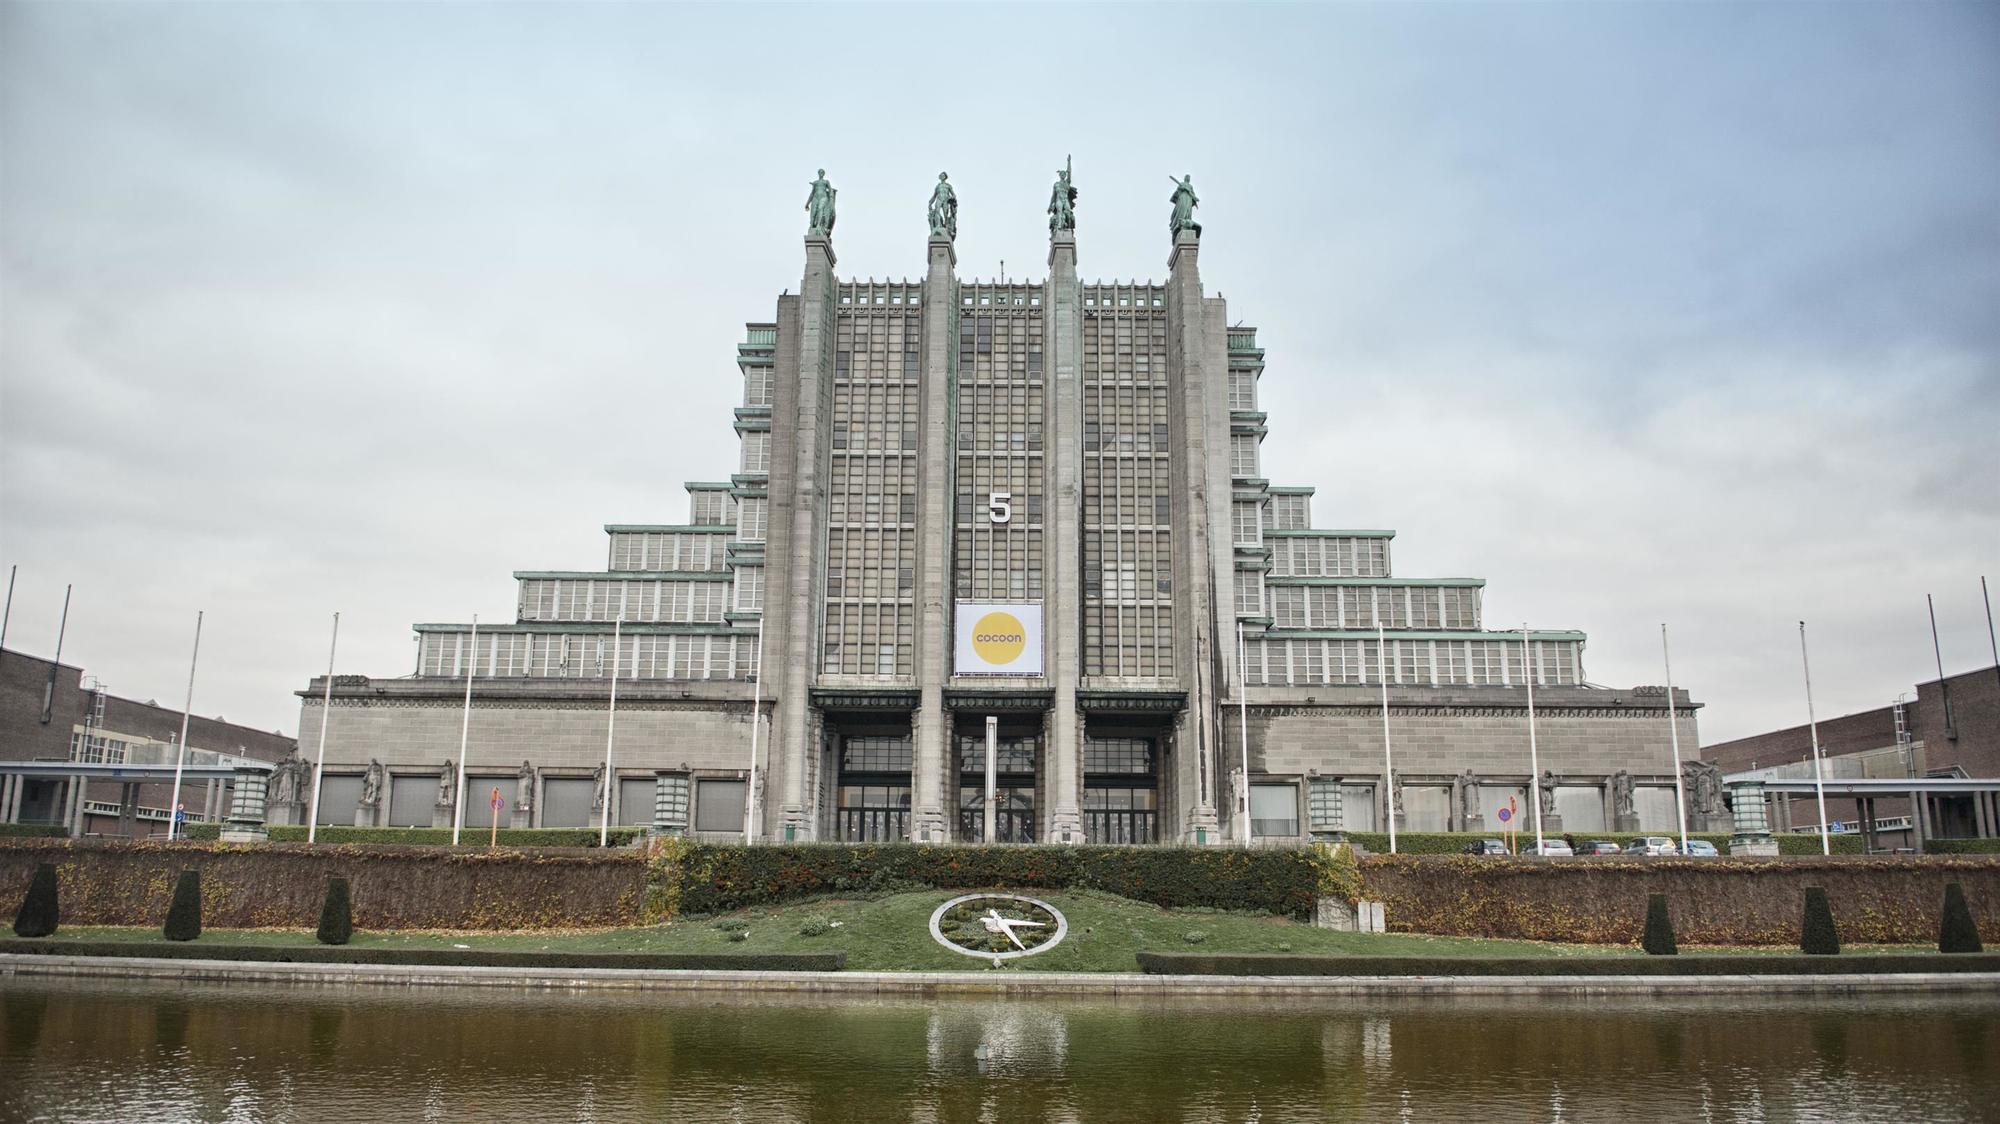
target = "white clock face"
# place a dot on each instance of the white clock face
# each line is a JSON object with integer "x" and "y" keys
{"x": 998, "y": 927}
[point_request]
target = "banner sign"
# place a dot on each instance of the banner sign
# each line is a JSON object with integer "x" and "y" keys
{"x": 998, "y": 639}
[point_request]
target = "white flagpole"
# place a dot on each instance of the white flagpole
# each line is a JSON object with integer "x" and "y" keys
{"x": 1674, "y": 735}
{"x": 464, "y": 734}
{"x": 756, "y": 718}
{"x": 325, "y": 710}
{"x": 610, "y": 730}
{"x": 1819, "y": 777}
{"x": 180, "y": 761}
{"x": 1243, "y": 723}
{"x": 1534, "y": 761}
{"x": 1388, "y": 758}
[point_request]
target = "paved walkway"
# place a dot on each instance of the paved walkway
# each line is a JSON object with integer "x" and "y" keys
{"x": 990, "y": 983}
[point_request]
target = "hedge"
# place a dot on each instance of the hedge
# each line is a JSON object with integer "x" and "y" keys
{"x": 33, "y": 830}
{"x": 1962, "y": 846}
{"x": 699, "y": 878}
{"x": 480, "y": 958}
{"x": 433, "y": 836}
{"x": 1204, "y": 964}
{"x": 1453, "y": 842}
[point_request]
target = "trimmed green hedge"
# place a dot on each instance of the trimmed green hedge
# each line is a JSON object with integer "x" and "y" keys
{"x": 1200, "y": 964}
{"x": 712, "y": 878}
{"x": 33, "y": 830}
{"x": 1962, "y": 846}
{"x": 1796, "y": 843}
{"x": 434, "y": 836}
{"x": 483, "y": 958}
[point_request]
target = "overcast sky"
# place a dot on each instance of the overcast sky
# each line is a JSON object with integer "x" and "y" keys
{"x": 1681, "y": 313}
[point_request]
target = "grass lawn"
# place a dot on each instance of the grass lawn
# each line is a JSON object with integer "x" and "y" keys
{"x": 891, "y": 933}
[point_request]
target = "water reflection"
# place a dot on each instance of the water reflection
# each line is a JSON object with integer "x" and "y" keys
{"x": 144, "y": 1052}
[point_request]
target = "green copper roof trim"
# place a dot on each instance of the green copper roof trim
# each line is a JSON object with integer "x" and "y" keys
{"x": 1293, "y": 490}
{"x": 669, "y": 529}
{"x": 1327, "y": 533}
{"x": 1453, "y": 582}
{"x": 624, "y": 575}
{"x": 707, "y": 485}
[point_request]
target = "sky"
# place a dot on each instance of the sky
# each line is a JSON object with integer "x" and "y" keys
{"x": 1683, "y": 314}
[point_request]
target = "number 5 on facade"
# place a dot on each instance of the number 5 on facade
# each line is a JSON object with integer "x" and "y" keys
{"x": 1000, "y": 506}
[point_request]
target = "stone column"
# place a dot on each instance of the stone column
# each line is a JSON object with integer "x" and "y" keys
{"x": 1752, "y": 831}
{"x": 9, "y": 784}
{"x": 937, "y": 455}
{"x": 246, "y": 808}
{"x": 1204, "y": 560}
{"x": 806, "y": 343}
{"x": 1062, "y": 581}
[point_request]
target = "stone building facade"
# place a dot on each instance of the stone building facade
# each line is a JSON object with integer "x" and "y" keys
{"x": 1034, "y": 508}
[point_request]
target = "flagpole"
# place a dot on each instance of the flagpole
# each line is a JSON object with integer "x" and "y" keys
{"x": 1534, "y": 761}
{"x": 15, "y": 569}
{"x": 610, "y": 730}
{"x": 1674, "y": 734}
{"x": 187, "y": 712}
{"x": 1819, "y": 777}
{"x": 1243, "y": 723}
{"x": 1388, "y": 758}
{"x": 464, "y": 733}
{"x": 756, "y": 717}
{"x": 325, "y": 710}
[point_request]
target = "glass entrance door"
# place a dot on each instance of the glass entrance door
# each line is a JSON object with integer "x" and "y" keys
{"x": 1121, "y": 790}
{"x": 1014, "y": 788}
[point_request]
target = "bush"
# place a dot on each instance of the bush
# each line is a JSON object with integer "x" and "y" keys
{"x": 1269, "y": 964}
{"x": 1817, "y": 935}
{"x": 739, "y": 935}
{"x": 432, "y": 836}
{"x": 816, "y": 927}
{"x": 184, "y": 915}
{"x": 493, "y": 958}
{"x": 37, "y": 917}
{"x": 1195, "y": 936}
{"x": 1962, "y": 846}
{"x": 336, "y": 914}
{"x": 1956, "y": 931}
{"x": 33, "y": 831}
{"x": 1659, "y": 939}
{"x": 1807, "y": 843}
{"x": 706, "y": 878}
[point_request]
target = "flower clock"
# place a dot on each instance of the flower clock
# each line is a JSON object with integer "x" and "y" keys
{"x": 998, "y": 927}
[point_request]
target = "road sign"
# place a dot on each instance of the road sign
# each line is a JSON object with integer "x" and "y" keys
{"x": 1506, "y": 814}
{"x": 497, "y": 802}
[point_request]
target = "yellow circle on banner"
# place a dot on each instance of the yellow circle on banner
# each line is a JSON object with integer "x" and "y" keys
{"x": 998, "y": 639}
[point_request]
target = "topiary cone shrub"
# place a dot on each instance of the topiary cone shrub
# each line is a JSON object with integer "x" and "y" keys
{"x": 1817, "y": 936}
{"x": 184, "y": 915}
{"x": 1659, "y": 939}
{"x": 1956, "y": 932}
{"x": 38, "y": 910}
{"x": 336, "y": 916}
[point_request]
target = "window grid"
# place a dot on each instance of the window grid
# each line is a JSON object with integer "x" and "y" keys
{"x": 554, "y": 655}
{"x": 869, "y": 626}
{"x": 1128, "y": 551}
{"x": 1276, "y": 662}
{"x": 685, "y": 551}
{"x": 1000, "y": 447}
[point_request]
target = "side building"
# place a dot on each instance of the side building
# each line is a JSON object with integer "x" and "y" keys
{"x": 1026, "y": 512}
{"x": 75, "y": 755}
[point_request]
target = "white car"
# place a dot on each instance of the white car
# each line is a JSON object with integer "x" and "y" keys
{"x": 1653, "y": 845}
{"x": 1552, "y": 848}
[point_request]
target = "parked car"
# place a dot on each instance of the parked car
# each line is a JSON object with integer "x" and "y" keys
{"x": 1485, "y": 847}
{"x": 1702, "y": 849}
{"x": 1552, "y": 848}
{"x": 1652, "y": 845}
{"x": 1601, "y": 847}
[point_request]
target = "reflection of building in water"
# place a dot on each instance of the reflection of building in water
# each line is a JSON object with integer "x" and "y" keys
{"x": 1039, "y": 501}
{"x": 1009, "y": 1038}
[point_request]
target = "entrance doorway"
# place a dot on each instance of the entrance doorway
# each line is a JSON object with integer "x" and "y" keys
{"x": 1017, "y": 758}
{"x": 872, "y": 804}
{"x": 1121, "y": 789}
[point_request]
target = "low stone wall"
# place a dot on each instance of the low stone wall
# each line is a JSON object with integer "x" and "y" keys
{"x": 106, "y": 882}
{"x": 1713, "y": 901}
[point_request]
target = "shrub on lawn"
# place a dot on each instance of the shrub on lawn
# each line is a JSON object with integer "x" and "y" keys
{"x": 37, "y": 917}
{"x": 1817, "y": 935}
{"x": 1659, "y": 939}
{"x": 816, "y": 927}
{"x": 1956, "y": 932}
{"x": 336, "y": 914}
{"x": 184, "y": 915}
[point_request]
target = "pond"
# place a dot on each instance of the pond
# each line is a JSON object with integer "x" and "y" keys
{"x": 77, "y": 1050}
